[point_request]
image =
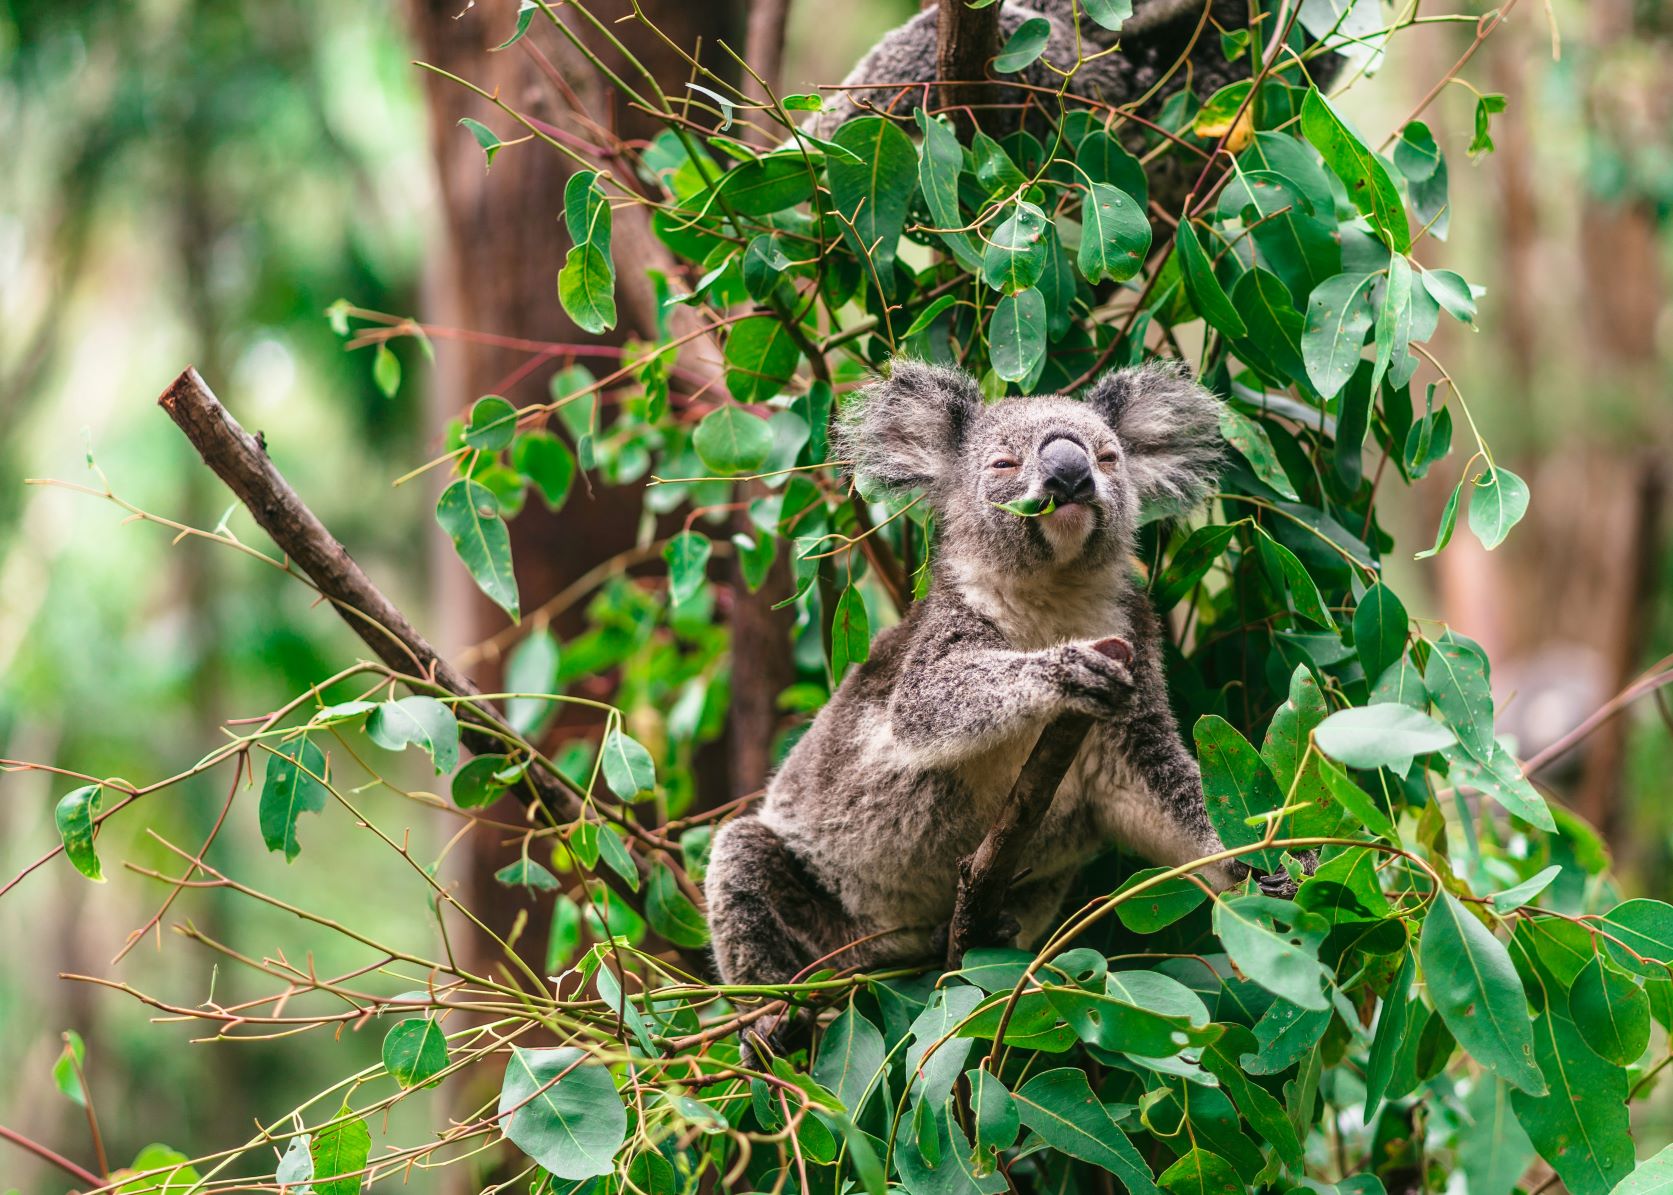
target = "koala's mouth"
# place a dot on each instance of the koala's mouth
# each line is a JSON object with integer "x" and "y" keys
{"x": 1068, "y": 526}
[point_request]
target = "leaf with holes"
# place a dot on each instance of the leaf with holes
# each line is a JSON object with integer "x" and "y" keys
{"x": 294, "y": 785}
{"x": 73, "y": 816}
{"x": 422, "y": 720}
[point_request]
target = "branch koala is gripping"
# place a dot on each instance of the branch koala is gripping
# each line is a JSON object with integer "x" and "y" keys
{"x": 903, "y": 772}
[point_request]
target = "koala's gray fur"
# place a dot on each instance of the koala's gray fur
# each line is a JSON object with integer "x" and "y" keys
{"x": 902, "y": 773}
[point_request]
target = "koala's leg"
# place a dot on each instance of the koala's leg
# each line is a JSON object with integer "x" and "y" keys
{"x": 768, "y": 916}
{"x": 1166, "y": 820}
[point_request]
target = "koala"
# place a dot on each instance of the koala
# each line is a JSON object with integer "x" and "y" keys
{"x": 853, "y": 855}
{"x": 1164, "y": 46}
{"x": 1154, "y": 38}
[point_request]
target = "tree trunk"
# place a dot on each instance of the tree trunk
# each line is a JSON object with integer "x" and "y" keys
{"x": 503, "y": 246}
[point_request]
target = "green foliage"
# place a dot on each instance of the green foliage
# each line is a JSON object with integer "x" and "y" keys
{"x": 414, "y": 1051}
{"x": 1455, "y": 968}
{"x": 297, "y": 782}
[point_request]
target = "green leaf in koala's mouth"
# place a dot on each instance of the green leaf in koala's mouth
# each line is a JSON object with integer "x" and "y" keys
{"x": 1030, "y": 508}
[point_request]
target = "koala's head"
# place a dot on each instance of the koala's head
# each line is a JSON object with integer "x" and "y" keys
{"x": 1145, "y": 434}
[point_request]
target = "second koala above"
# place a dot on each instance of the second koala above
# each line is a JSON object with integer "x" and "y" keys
{"x": 903, "y": 772}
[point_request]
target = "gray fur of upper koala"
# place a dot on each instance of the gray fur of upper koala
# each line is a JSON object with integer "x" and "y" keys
{"x": 1151, "y": 42}
{"x": 901, "y": 774}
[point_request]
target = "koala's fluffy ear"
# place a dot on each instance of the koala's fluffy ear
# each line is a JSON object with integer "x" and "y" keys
{"x": 1169, "y": 428}
{"x": 907, "y": 430}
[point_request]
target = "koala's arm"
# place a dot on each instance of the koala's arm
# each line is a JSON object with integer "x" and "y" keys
{"x": 962, "y": 691}
{"x": 1171, "y": 826}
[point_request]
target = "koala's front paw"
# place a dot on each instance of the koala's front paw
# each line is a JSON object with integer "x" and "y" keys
{"x": 1094, "y": 676}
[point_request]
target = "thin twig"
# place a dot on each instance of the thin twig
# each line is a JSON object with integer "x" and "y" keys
{"x": 985, "y": 874}
{"x": 47, "y": 1155}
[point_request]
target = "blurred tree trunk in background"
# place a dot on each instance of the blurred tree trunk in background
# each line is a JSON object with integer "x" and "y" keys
{"x": 1564, "y": 606}
{"x": 505, "y": 245}
{"x": 1625, "y": 297}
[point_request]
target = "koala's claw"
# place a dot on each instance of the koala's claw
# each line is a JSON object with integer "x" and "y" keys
{"x": 1277, "y": 883}
{"x": 1095, "y": 682}
{"x": 1280, "y": 884}
{"x": 775, "y": 1034}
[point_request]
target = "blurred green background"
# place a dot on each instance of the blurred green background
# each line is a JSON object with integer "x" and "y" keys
{"x": 191, "y": 181}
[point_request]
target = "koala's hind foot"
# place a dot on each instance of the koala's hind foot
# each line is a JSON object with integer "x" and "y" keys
{"x": 769, "y": 916}
{"x": 1003, "y": 930}
{"x": 1280, "y": 884}
{"x": 776, "y": 1034}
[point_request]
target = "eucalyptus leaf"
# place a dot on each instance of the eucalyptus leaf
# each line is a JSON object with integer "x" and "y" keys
{"x": 1478, "y": 993}
{"x": 470, "y": 514}
{"x": 563, "y": 1111}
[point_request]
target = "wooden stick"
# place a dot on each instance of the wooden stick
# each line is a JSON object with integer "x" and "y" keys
{"x": 240, "y": 460}
{"x": 985, "y": 875}
{"x": 965, "y": 39}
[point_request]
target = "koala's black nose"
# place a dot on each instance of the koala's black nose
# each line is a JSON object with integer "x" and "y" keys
{"x": 1068, "y": 470}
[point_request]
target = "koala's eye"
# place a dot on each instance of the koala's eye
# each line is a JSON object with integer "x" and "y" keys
{"x": 1108, "y": 456}
{"x": 1003, "y": 461}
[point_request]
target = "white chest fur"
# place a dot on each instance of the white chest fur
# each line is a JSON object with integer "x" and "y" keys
{"x": 1039, "y": 610}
